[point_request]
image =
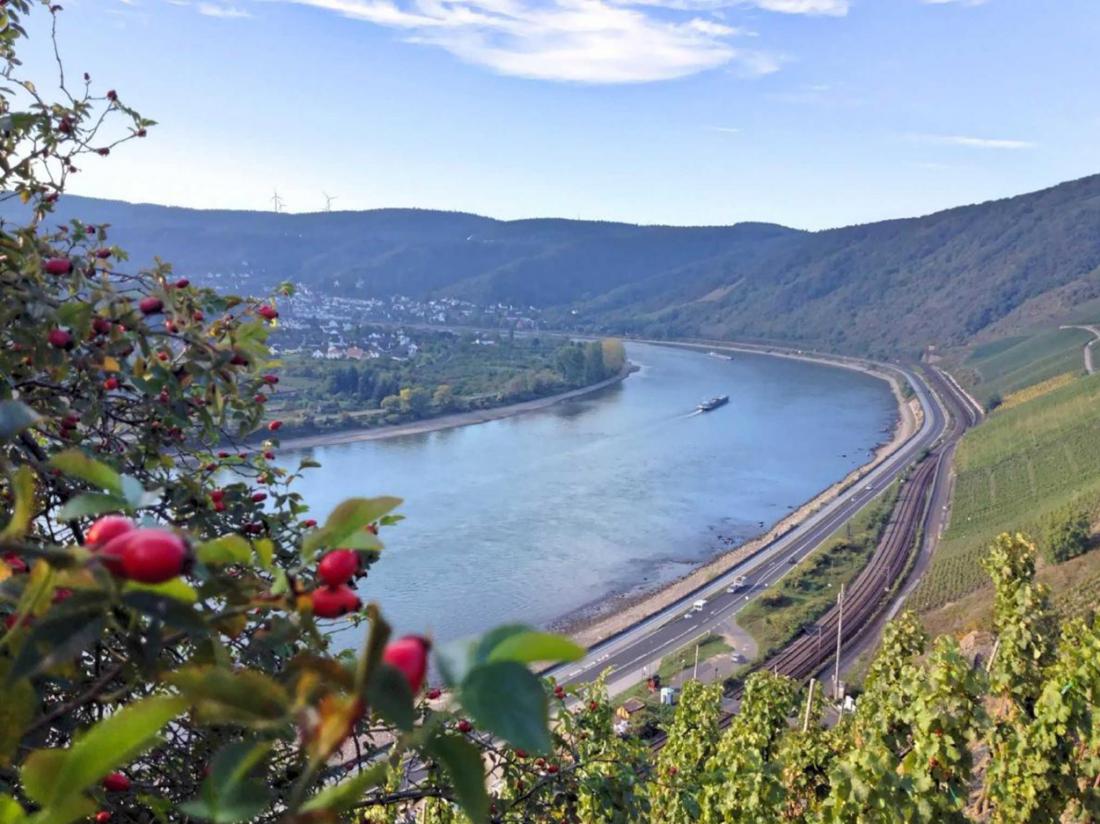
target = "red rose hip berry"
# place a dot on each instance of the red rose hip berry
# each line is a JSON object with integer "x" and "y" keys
{"x": 58, "y": 266}
{"x": 152, "y": 556}
{"x": 338, "y": 566}
{"x": 116, "y": 782}
{"x": 60, "y": 339}
{"x": 107, "y": 529}
{"x": 150, "y": 305}
{"x": 409, "y": 655}
{"x": 333, "y": 602}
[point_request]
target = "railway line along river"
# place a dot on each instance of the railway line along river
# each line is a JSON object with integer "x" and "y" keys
{"x": 536, "y": 516}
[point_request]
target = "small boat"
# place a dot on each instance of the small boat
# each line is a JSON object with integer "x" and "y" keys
{"x": 714, "y": 403}
{"x": 720, "y": 355}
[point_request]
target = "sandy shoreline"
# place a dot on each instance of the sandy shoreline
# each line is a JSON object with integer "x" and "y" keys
{"x": 591, "y": 624}
{"x": 450, "y": 421}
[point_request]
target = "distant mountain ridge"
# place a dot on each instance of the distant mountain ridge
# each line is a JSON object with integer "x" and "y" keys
{"x": 882, "y": 288}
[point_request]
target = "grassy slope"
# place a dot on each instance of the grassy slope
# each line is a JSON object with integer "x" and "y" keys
{"x": 807, "y": 592}
{"x": 1012, "y": 470}
{"x": 1008, "y": 365}
{"x": 1075, "y": 591}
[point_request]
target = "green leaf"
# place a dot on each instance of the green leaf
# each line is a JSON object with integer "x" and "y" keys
{"x": 223, "y": 696}
{"x": 493, "y": 639}
{"x": 71, "y": 809}
{"x": 14, "y": 418}
{"x": 133, "y": 491}
{"x": 265, "y": 552}
{"x": 11, "y": 812}
{"x": 91, "y": 503}
{"x": 346, "y": 526}
{"x": 16, "y": 711}
{"x": 530, "y": 646}
{"x": 346, "y": 794}
{"x": 75, "y": 314}
{"x": 59, "y": 635}
{"x": 462, "y": 761}
{"x": 57, "y": 775}
{"x": 505, "y": 698}
{"x": 227, "y": 795}
{"x": 22, "y": 483}
{"x": 389, "y": 694}
{"x": 228, "y": 549}
{"x": 176, "y": 589}
{"x": 76, "y": 464}
{"x": 453, "y": 660}
{"x": 39, "y": 772}
{"x": 171, "y": 612}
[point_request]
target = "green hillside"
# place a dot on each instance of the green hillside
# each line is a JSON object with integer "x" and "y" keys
{"x": 1008, "y": 365}
{"x": 1014, "y": 469}
{"x": 888, "y": 288}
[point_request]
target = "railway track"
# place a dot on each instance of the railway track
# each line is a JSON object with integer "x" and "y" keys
{"x": 808, "y": 653}
{"x": 869, "y": 594}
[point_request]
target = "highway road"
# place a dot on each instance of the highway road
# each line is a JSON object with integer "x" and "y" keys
{"x": 628, "y": 655}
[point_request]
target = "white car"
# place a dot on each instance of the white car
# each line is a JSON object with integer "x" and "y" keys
{"x": 737, "y": 584}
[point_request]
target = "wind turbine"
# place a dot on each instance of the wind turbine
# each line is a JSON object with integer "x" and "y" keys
{"x": 278, "y": 201}
{"x": 328, "y": 201}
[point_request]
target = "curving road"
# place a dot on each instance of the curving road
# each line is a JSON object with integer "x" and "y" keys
{"x": 628, "y": 655}
{"x": 1095, "y": 330}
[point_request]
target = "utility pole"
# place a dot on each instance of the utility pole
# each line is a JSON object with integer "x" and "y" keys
{"x": 839, "y": 630}
{"x": 695, "y": 672}
{"x": 278, "y": 201}
{"x": 809, "y": 703}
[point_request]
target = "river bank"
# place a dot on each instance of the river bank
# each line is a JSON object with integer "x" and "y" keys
{"x": 595, "y": 622}
{"x": 450, "y": 421}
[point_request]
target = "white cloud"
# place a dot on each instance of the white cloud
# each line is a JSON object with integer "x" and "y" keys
{"x": 831, "y": 8}
{"x": 726, "y": 129}
{"x": 974, "y": 142}
{"x": 954, "y": 2}
{"x": 216, "y": 10}
{"x": 583, "y": 41}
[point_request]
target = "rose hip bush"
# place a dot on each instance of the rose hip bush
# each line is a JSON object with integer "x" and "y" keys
{"x": 167, "y": 604}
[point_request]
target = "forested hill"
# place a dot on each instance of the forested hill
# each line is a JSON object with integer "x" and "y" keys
{"x": 883, "y": 288}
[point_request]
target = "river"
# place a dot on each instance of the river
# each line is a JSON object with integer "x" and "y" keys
{"x": 531, "y": 517}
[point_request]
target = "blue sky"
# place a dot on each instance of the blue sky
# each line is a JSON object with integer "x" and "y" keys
{"x": 810, "y": 113}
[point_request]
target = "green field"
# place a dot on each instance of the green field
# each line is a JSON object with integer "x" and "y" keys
{"x": 1013, "y": 470}
{"x": 807, "y": 592}
{"x": 1006, "y": 366}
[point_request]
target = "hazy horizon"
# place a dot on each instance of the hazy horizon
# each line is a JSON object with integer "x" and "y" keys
{"x": 806, "y": 113}
{"x": 536, "y": 217}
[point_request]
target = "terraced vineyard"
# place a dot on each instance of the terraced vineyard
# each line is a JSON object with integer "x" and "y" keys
{"x": 1011, "y": 364}
{"x": 1074, "y": 588}
{"x": 1014, "y": 469}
